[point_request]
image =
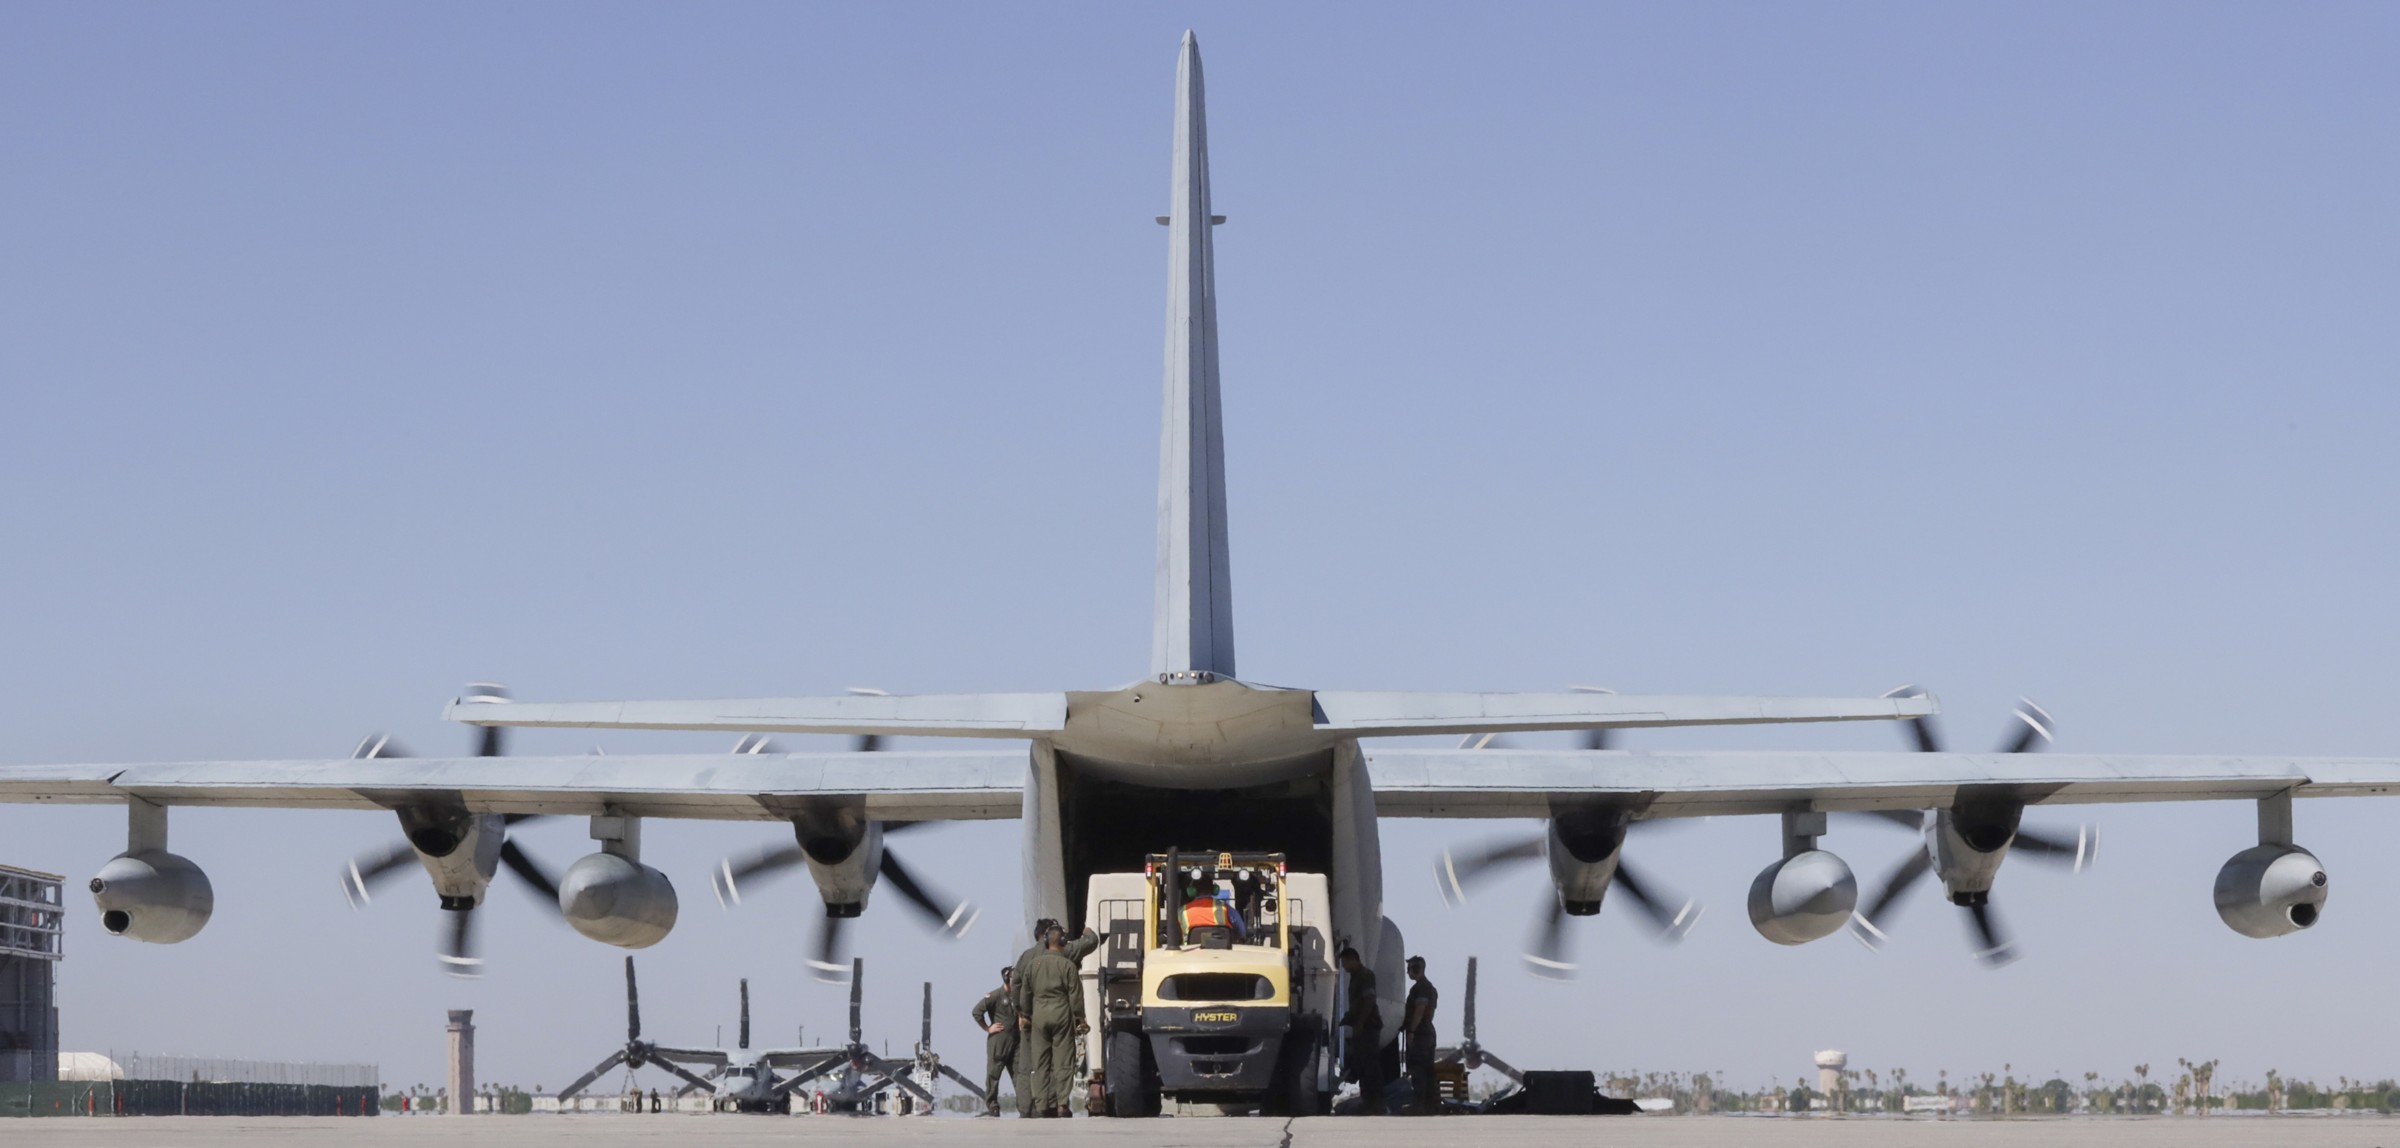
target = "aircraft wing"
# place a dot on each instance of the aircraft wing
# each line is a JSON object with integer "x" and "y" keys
{"x": 896, "y": 786}
{"x": 919, "y": 715}
{"x": 1386, "y": 714}
{"x": 1534, "y": 783}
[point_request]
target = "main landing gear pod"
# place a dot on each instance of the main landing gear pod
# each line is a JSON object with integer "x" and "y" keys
{"x": 610, "y": 896}
{"x": 147, "y": 893}
{"x": 2274, "y": 887}
{"x": 1808, "y": 894}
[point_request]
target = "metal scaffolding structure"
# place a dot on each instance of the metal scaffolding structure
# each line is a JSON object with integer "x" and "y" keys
{"x": 32, "y": 929}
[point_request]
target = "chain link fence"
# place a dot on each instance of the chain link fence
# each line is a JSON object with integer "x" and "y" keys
{"x": 218, "y": 1069}
{"x": 180, "y": 1098}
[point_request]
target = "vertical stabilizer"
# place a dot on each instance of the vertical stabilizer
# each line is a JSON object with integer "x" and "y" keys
{"x": 1193, "y": 624}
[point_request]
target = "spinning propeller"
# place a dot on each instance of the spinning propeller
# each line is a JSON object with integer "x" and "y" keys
{"x": 1669, "y": 917}
{"x": 1997, "y": 948}
{"x": 439, "y": 832}
{"x": 950, "y": 918}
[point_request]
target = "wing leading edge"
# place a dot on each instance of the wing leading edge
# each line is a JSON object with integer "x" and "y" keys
{"x": 898, "y": 786}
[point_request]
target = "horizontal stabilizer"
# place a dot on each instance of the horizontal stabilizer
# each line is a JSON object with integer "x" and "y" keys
{"x": 1403, "y": 714}
{"x": 912, "y": 715}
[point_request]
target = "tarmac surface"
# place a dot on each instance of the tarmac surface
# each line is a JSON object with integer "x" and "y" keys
{"x": 1524, "y": 1131}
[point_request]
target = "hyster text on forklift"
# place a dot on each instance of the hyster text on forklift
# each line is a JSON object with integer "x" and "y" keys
{"x": 1213, "y": 991}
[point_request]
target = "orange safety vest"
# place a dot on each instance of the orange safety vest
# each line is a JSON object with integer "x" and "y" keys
{"x": 1202, "y": 912}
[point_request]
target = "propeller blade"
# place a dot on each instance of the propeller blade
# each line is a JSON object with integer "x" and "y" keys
{"x": 1502, "y": 1067}
{"x": 458, "y": 955}
{"x": 829, "y": 944}
{"x": 529, "y": 872}
{"x": 812, "y": 1072}
{"x": 585, "y": 1081}
{"x": 369, "y": 869}
{"x": 377, "y": 745}
{"x": 1866, "y": 923}
{"x": 953, "y": 920}
{"x": 1548, "y": 956}
{"x": 2080, "y": 851}
{"x": 1453, "y": 871}
{"x": 973, "y": 1089}
{"x": 858, "y": 976}
{"x": 755, "y": 744}
{"x": 1997, "y": 949}
{"x": 898, "y": 1074}
{"x": 1467, "y": 1017}
{"x": 633, "y": 1004}
{"x": 925, "y": 1042}
{"x": 2037, "y": 728}
{"x": 867, "y": 743}
{"x": 1601, "y": 738}
{"x": 745, "y": 1038}
{"x": 1929, "y": 739}
{"x": 487, "y": 738}
{"x": 1673, "y": 924}
{"x": 726, "y": 880}
{"x": 685, "y": 1073}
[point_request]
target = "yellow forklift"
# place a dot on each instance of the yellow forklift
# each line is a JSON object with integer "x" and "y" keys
{"x": 1214, "y": 986}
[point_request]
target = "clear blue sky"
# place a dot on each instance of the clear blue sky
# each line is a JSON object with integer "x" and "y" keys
{"x": 350, "y": 353}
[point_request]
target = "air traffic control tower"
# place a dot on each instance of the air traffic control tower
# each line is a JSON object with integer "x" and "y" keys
{"x": 32, "y": 923}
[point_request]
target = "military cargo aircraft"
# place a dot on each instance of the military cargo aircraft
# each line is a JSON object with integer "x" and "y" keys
{"x": 1189, "y": 749}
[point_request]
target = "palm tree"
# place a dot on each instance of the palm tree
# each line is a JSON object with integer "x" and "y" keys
{"x": 2141, "y": 1095}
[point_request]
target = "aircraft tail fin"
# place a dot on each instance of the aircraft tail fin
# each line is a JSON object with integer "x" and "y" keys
{"x": 1192, "y": 621}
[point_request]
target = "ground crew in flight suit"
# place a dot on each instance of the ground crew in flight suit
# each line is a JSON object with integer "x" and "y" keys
{"x": 1022, "y": 1069}
{"x": 1365, "y": 1022}
{"x": 1049, "y": 998}
{"x": 1417, "y": 1027}
{"x": 996, "y": 1015}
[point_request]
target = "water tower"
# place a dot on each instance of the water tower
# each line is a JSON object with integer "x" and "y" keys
{"x": 1830, "y": 1064}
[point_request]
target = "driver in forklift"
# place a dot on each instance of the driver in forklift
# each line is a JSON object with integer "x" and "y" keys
{"x": 1209, "y": 918}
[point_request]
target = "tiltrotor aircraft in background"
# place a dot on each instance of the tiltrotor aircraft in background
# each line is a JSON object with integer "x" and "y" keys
{"x": 1192, "y": 754}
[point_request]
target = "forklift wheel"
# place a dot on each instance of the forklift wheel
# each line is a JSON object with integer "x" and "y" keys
{"x": 1132, "y": 1090}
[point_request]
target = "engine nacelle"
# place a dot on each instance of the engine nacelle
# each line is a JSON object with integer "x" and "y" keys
{"x": 153, "y": 895}
{"x": 2270, "y": 890}
{"x": 845, "y": 852}
{"x": 1802, "y": 898}
{"x": 617, "y": 900}
{"x": 460, "y": 850}
{"x": 1582, "y": 852}
{"x": 1969, "y": 843}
